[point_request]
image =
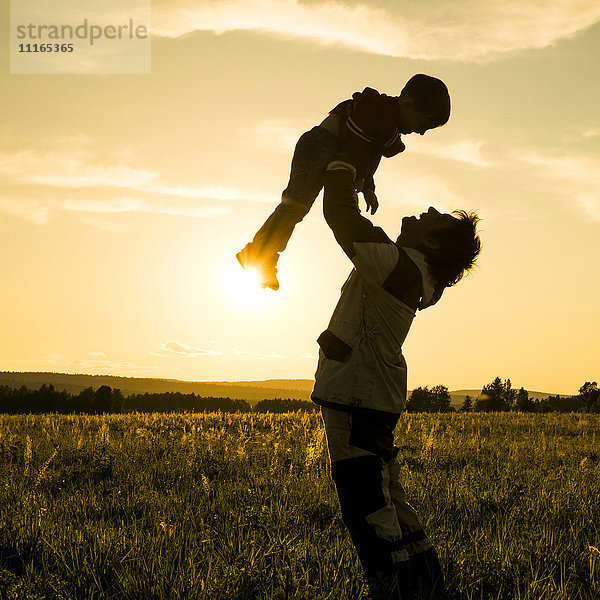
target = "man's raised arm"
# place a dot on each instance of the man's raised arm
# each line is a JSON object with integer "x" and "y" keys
{"x": 341, "y": 210}
{"x": 377, "y": 259}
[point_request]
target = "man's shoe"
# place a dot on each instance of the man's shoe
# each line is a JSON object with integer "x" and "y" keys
{"x": 427, "y": 580}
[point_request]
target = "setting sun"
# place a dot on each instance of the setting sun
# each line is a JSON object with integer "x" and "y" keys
{"x": 243, "y": 290}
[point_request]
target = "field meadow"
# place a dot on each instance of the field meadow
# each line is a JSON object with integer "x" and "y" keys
{"x": 241, "y": 506}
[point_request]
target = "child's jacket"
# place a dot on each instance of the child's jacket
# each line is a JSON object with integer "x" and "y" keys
{"x": 371, "y": 131}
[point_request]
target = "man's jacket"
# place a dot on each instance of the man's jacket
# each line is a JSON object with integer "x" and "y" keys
{"x": 361, "y": 366}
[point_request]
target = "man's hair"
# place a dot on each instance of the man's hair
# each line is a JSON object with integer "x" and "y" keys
{"x": 430, "y": 96}
{"x": 459, "y": 247}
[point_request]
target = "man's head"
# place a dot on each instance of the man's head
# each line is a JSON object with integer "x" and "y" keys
{"x": 449, "y": 241}
{"x": 424, "y": 104}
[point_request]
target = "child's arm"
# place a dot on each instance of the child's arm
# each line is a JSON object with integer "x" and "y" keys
{"x": 369, "y": 195}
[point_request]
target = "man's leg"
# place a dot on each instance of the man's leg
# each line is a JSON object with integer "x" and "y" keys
{"x": 362, "y": 485}
{"x": 427, "y": 581}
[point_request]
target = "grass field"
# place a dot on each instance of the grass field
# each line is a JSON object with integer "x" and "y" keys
{"x": 230, "y": 507}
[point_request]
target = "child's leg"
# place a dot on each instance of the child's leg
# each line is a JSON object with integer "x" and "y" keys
{"x": 314, "y": 151}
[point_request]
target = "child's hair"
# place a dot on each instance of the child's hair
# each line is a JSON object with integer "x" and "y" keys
{"x": 431, "y": 97}
{"x": 459, "y": 247}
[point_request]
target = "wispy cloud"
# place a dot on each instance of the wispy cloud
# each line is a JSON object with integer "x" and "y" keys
{"x": 280, "y": 135}
{"x": 464, "y": 151}
{"x": 126, "y": 204}
{"x": 418, "y": 192}
{"x": 29, "y": 210}
{"x": 466, "y": 30}
{"x": 268, "y": 356}
{"x": 583, "y": 135}
{"x": 68, "y": 170}
{"x": 105, "y": 188}
{"x": 95, "y": 363}
{"x": 79, "y": 169}
{"x": 591, "y": 133}
{"x": 105, "y": 224}
{"x": 574, "y": 177}
{"x": 183, "y": 350}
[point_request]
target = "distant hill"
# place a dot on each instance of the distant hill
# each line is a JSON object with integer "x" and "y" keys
{"x": 251, "y": 391}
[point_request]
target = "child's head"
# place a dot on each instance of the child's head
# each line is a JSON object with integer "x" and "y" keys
{"x": 428, "y": 97}
{"x": 449, "y": 241}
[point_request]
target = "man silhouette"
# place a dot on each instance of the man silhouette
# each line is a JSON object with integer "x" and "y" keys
{"x": 361, "y": 377}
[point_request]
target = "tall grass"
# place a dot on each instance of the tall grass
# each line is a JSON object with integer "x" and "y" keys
{"x": 217, "y": 506}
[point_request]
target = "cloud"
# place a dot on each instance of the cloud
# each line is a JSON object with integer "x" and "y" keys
{"x": 466, "y": 30}
{"x": 34, "y": 171}
{"x": 185, "y": 351}
{"x": 127, "y": 204}
{"x": 577, "y": 178}
{"x": 268, "y": 356}
{"x": 280, "y": 135}
{"x": 68, "y": 170}
{"x": 95, "y": 364}
{"x": 582, "y": 135}
{"x": 464, "y": 151}
{"x": 105, "y": 224}
{"x": 418, "y": 192}
{"x": 79, "y": 169}
{"x": 26, "y": 209}
{"x": 591, "y": 133}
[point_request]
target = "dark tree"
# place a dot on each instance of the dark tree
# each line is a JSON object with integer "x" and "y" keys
{"x": 116, "y": 401}
{"x": 102, "y": 399}
{"x": 496, "y": 396}
{"x": 423, "y": 399}
{"x": 467, "y": 405}
{"x": 419, "y": 400}
{"x": 523, "y": 402}
{"x": 590, "y": 395}
{"x": 440, "y": 398}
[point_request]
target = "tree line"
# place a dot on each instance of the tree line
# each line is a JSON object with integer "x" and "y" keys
{"x": 497, "y": 396}
{"x": 105, "y": 399}
{"x": 500, "y": 396}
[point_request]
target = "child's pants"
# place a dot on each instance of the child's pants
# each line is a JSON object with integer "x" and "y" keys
{"x": 314, "y": 151}
{"x": 385, "y": 529}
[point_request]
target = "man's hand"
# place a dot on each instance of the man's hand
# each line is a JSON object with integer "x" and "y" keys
{"x": 371, "y": 200}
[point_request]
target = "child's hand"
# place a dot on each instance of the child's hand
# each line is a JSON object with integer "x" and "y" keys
{"x": 371, "y": 200}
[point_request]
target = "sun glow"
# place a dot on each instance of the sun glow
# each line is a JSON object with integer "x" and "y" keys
{"x": 243, "y": 291}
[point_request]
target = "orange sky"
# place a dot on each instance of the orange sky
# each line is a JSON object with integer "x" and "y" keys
{"x": 123, "y": 198}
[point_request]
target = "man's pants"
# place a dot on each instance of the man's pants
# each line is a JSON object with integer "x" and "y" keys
{"x": 394, "y": 550}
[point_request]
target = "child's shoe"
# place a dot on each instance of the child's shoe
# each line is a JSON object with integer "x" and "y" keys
{"x": 265, "y": 265}
{"x": 268, "y": 272}
{"x": 246, "y": 256}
